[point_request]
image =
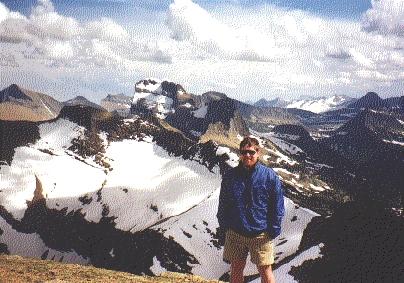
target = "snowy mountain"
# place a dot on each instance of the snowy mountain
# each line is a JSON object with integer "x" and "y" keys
{"x": 141, "y": 194}
{"x": 162, "y": 97}
{"x": 210, "y": 116}
{"x": 121, "y": 196}
{"x": 312, "y": 104}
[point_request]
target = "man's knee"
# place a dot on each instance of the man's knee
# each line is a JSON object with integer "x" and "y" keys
{"x": 266, "y": 267}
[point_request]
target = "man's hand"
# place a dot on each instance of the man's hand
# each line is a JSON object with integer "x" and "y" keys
{"x": 220, "y": 235}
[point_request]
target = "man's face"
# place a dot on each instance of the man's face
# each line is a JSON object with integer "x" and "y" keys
{"x": 248, "y": 156}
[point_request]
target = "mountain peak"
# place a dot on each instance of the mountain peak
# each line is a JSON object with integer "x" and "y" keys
{"x": 372, "y": 95}
{"x": 81, "y": 100}
{"x": 370, "y": 100}
{"x": 277, "y": 102}
{"x": 13, "y": 92}
{"x": 213, "y": 96}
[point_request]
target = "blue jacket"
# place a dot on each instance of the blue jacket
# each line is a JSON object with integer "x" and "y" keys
{"x": 251, "y": 202}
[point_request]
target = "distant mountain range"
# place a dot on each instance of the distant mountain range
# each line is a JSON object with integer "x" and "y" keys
{"x": 312, "y": 104}
{"x": 213, "y": 116}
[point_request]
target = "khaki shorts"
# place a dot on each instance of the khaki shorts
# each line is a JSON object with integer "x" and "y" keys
{"x": 236, "y": 247}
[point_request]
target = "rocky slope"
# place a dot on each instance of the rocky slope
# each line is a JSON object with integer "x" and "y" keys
{"x": 119, "y": 104}
{"x": 19, "y": 104}
{"x": 130, "y": 195}
{"x": 140, "y": 194}
{"x": 373, "y": 143}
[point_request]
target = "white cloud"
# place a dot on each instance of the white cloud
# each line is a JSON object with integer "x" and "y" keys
{"x": 248, "y": 52}
{"x": 57, "y": 49}
{"x": 3, "y": 12}
{"x": 106, "y": 29}
{"x": 386, "y": 17}
{"x": 188, "y": 21}
{"x": 45, "y": 7}
{"x": 360, "y": 58}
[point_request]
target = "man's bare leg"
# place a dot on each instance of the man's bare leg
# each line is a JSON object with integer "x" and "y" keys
{"x": 265, "y": 271}
{"x": 236, "y": 271}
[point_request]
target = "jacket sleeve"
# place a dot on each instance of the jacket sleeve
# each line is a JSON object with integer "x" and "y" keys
{"x": 221, "y": 212}
{"x": 276, "y": 210}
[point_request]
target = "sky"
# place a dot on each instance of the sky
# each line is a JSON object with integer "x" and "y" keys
{"x": 246, "y": 49}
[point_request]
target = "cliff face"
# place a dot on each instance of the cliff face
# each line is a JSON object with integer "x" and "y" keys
{"x": 224, "y": 123}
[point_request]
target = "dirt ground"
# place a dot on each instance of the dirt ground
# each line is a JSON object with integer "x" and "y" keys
{"x": 16, "y": 269}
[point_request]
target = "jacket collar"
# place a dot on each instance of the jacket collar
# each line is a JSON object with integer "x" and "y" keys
{"x": 240, "y": 170}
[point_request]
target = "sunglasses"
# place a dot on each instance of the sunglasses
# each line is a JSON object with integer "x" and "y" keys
{"x": 249, "y": 152}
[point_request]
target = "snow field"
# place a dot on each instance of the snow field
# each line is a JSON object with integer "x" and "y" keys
{"x": 146, "y": 188}
{"x": 157, "y": 185}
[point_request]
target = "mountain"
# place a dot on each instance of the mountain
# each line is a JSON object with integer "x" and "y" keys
{"x": 263, "y": 119}
{"x": 373, "y": 142}
{"x": 305, "y": 117}
{"x": 162, "y": 96}
{"x": 17, "y": 104}
{"x": 277, "y": 102}
{"x": 134, "y": 195}
{"x": 401, "y": 105}
{"x": 331, "y": 119}
{"x": 81, "y": 100}
{"x": 358, "y": 245}
{"x": 300, "y": 137}
{"x": 370, "y": 100}
{"x": 211, "y": 115}
{"x": 118, "y": 103}
{"x": 217, "y": 120}
{"x": 214, "y": 116}
{"x": 322, "y": 104}
{"x": 382, "y": 125}
{"x": 224, "y": 122}
{"x": 312, "y": 104}
{"x": 140, "y": 194}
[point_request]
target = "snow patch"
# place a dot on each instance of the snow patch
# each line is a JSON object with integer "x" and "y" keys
{"x": 57, "y": 136}
{"x": 195, "y": 133}
{"x": 201, "y": 112}
{"x": 47, "y": 108}
{"x": 394, "y": 142}
{"x": 150, "y": 87}
{"x": 171, "y": 184}
{"x": 233, "y": 157}
{"x": 156, "y": 268}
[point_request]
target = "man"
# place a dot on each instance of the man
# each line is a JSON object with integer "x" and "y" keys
{"x": 250, "y": 212}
